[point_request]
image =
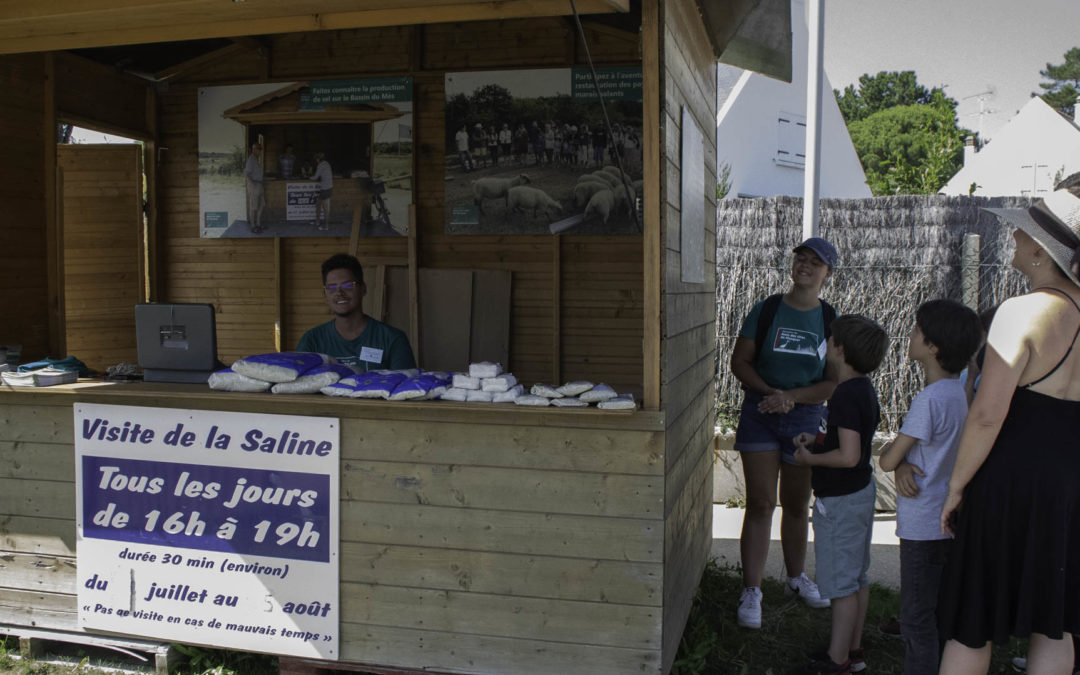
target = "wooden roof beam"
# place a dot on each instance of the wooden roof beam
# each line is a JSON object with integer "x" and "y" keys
{"x": 239, "y": 45}
{"x": 23, "y": 31}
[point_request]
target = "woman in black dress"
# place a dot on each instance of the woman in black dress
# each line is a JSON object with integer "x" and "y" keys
{"x": 1014, "y": 496}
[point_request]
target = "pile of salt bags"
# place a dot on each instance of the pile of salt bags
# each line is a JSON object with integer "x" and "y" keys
{"x": 577, "y": 394}
{"x": 484, "y": 383}
{"x": 280, "y": 372}
{"x": 392, "y": 385}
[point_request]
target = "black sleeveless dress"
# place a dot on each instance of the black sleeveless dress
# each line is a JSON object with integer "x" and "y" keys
{"x": 1014, "y": 567}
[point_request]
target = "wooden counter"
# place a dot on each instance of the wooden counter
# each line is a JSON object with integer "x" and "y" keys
{"x": 475, "y": 538}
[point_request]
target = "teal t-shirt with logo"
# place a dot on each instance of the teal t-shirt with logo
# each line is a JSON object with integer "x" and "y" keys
{"x": 794, "y": 351}
{"x": 379, "y": 347}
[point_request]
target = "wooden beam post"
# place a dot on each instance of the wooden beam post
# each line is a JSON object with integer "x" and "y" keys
{"x": 652, "y": 86}
{"x": 556, "y": 309}
{"x": 54, "y": 228}
{"x": 150, "y": 242}
{"x": 414, "y": 285}
{"x": 279, "y": 294}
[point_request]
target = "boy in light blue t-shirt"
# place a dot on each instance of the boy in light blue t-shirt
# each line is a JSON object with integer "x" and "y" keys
{"x": 945, "y": 336}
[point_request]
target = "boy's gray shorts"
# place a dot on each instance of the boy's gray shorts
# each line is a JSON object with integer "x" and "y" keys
{"x": 842, "y": 529}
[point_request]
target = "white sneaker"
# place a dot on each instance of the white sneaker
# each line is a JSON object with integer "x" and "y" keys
{"x": 1019, "y": 664}
{"x": 806, "y": 590}
{"x": 750, "y": 607}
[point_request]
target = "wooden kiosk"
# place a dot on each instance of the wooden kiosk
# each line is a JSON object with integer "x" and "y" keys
{"x": 474, "y": 539}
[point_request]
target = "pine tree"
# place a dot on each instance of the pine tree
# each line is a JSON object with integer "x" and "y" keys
{"x": 1061, "y": 93}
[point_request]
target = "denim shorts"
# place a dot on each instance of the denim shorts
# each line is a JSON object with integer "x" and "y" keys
{"x": 843, "y": 526}
{"x": 766, "y": 432}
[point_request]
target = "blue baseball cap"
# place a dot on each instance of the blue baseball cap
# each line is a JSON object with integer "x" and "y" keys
{"x": 821, "y": 248}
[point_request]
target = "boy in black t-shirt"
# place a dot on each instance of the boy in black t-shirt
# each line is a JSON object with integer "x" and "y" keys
{"x": 843, "y": 484}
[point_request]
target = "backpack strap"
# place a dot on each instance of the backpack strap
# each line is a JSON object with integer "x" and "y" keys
{"x": 770, "y": 307}
{"x": 768, "y": 312}
{"x": 827, "y": 315}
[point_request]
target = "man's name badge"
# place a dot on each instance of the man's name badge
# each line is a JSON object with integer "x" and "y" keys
{"x": 371, "y": 355}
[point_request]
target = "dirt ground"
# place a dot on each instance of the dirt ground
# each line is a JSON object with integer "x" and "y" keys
{"x": 557, "y": 181}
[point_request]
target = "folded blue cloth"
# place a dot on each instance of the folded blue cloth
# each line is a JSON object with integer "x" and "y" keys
{"x": 66, "y": 363}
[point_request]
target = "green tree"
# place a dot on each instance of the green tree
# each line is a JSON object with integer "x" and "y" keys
{"x": 909, "y": 149}
{"x": 883, "y": 91}
{"x": 1061, "y": 92}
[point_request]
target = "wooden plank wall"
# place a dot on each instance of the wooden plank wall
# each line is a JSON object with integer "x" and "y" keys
{"x": 688, "y": 343}
{"x": 472, "y": 541}
{"x": 101, "y": 190}
{"x": 96, "y": 96}
{"x": 598, "y": 290}
{"x": 23, "y": 172}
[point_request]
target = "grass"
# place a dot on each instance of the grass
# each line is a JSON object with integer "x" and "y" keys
{"x": 713, "y": 644}
{"x": 72, "y": 659}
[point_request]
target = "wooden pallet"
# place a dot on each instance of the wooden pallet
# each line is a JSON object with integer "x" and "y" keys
{"x": 33, "y": 643}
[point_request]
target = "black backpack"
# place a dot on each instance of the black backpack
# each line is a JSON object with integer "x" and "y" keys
{"x": 768, "y": 313}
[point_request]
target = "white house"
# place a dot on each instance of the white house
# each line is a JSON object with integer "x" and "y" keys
{"x": 1035, "y": 149}
{"x": 761, "y": 130}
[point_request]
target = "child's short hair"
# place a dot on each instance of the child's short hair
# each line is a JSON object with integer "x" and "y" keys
{"x": 951, "y": 327}
{"x": 864, "y": 341}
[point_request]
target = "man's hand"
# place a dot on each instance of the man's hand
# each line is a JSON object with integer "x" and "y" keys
{"x": 904, "y": 477}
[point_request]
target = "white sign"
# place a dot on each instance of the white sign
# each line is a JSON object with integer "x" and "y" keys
{"x": 214, "y": 528}
{"x": 300, "y": 199}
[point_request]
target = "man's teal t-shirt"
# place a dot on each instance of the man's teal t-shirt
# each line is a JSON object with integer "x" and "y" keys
{"x": 794, "y": 351}
{"x": 379, "y": 347}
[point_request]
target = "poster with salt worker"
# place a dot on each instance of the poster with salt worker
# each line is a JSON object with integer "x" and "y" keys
{"x": 306, "y": 159}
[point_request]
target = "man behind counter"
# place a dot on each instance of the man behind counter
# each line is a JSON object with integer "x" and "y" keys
{"x": 352, "y": 337}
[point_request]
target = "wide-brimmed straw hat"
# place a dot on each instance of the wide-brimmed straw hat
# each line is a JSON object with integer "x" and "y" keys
{"x": 1054, "y": 223}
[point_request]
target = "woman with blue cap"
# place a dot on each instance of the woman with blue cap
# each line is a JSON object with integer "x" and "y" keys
{"x": 779, "y": 357}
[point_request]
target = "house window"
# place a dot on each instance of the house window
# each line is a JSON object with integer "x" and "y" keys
{"x": 791, "y": 140}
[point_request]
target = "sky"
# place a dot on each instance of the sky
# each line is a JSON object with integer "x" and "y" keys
{"x": 966, "y": 46}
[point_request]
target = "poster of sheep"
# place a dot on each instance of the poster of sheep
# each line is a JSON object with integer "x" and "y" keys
{"x": 528, "y": 152}
{"x": 306, "y": 159}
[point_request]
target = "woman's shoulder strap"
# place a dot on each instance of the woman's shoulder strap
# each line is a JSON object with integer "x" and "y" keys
{"x": 1071, "y": 344}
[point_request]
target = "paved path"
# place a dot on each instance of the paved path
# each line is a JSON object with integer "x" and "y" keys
{"x": 884, "y": 549}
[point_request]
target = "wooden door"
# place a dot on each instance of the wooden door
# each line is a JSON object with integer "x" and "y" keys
{"x": 100, "y": 188}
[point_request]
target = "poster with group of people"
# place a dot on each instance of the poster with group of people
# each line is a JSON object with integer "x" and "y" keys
{"x": 530, "y": 151}
{"x": 306, "y": 159}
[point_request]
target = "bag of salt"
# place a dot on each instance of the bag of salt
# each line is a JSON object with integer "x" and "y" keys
{"x": 478, "y": 396}
{"x": 455, "y": 394}
{"x": 498, "y": 383}
{"x": 377, "y": 385}
{"x": 569, "y": 402}
{"x": 466, "y": 381}
{"x": 418, "y": 387}
{"x": 279, "y": 366}
{"x": 600, "y": 392}
{"x": 343, "y": 388}
{"x": 314, "y": 380}
{"x": 229, "y": 380}
{"x": 575, "y": 388}
{"x": 545, "y": 390}
{"x": 485, "y": 369}
{"x": 620, "y": 402}
{"x": 508, "y": 396}
{"x": 532, "y": 400}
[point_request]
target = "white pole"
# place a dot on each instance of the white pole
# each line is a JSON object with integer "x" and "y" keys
{"x": 814, "y": 78}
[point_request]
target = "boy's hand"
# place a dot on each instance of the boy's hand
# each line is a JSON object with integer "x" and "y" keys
{"x": 802, "y": 444}
{"x": 904, "y": 477}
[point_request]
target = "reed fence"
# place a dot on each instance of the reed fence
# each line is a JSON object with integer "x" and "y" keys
{"x": 895, "y": 253}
